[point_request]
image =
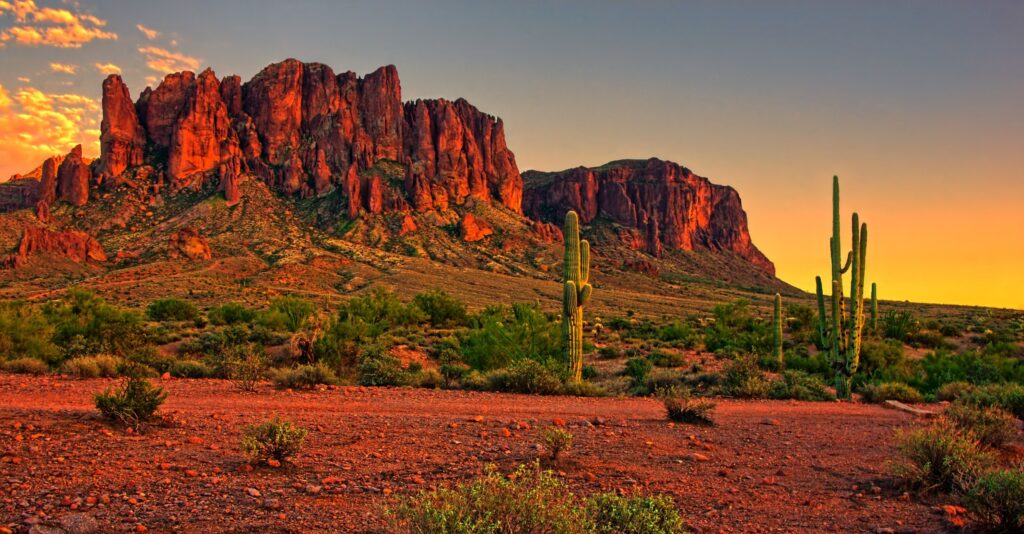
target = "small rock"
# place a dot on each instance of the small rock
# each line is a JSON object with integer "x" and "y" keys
{"x": 273, "y": 463}
{"x": 313, "y": 489}
{"x": 253, "y": 492}
{"x": 697, "y": 457}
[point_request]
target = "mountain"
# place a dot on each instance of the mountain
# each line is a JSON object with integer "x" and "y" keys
{"x": 301, "y": 166}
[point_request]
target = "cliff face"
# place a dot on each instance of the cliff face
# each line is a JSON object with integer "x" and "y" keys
{"x": 666, "y": 204}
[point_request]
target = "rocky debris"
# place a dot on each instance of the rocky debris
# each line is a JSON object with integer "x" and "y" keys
{"x": 473, "y": 228}
{"x": 74, "y": 245}
{"x": 187, "y": 243}
{"x": 664, "y": 204}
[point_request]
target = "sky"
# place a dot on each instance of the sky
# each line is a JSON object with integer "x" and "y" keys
{"x": 918, "y": 106}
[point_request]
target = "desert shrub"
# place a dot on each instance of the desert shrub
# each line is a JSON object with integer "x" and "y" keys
{"x": 940, "y": 367}
{"x": 442, "y": 309}
{"x": 502, "y": 335}
{"x": 428, "y": 378}
{"x": 953, "y": 390}
{"x": 679, "y": 334}
{"x": 610, "y": 513}
{"x": 896, "y": 391}
{"x": 800, "y": 360}
{"x": 246, "y": 365}
{"x": 230, "y": 313}
{"x": 1009, "y": 397}
{"x": 660, "y": 379}
{"x": 802, "y": 323}
{"x": 276, "y": 439}
{"x": 666, "y": 359}
{"x": 101, "y": 366}
{"x": 608, "y": 353}
{"x": 997, "y": 498}
{"x": 736, "y": 330}
{"x": 525, "y": 376}
{"x": 897, "y": 324}
{"x": 381, "y": 369}
{"x": 930, "y": 339}
{"x": 991, "y": 426}
{"x": 556, "y": 440}
{"x": 85, "y": 324}
{"x": 742, "y": 379}
{"x": 476, "y": 381}
{"x": 25, "y": 333}
{"x": 190, "y": 369}
{"x": 131, "y": 404}
{"x": 638, "y": 368}
{"x": 171, "y": 309}
{"x": 884, "y": 360}
{"x": 681, "y": 407}
{"x": 25, "y": 366}
{"x": 362, "y": 323}
{"x": 215, "y": 343}
{"x": 940, "y": 456}
{"x": 304, "y": 377}
{"x": 285, "y": 313}
{"x": 583, "y": 388}
{"x": 800, "y": 386}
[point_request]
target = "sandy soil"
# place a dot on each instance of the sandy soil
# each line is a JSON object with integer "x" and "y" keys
{"x": 771, "y": 466}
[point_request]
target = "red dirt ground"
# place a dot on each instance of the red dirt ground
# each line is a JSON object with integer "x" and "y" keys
{"x": 770, "y": 466}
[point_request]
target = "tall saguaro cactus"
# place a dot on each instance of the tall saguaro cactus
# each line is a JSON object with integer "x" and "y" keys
{"x": 846, "y": 331}
{"x": 576, "y": 290}
{"x": 777, "y": 330}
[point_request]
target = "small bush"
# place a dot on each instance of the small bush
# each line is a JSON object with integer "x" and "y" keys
{"x": 190, "y": 369}
{"x": 304, "y": 377}
{"x": 25, "y": 366}
{"x": 230, "y": 313}
{"x": 556, "y": 440}
{"x": 443, "y": 309}
{"x": 131, "y": 404}
{"x": 93, "y": 367}
{"x": 954, "y": 390}
{"x": 26, "y": 333}
{"x": 898, "y": 324}
{"x": 800, "y": 386}
{"x": 273, "y": 440}
{"x": 940, "y": 456}
{"x": 614, "y": 514}
{"x": 743, "y": 379}
{"x": 381, "y": 369}
{"x": 666, "y": 359}
{"x": 525, "y": 376}
{"x": 246, "y": 366}
{"x": 998, "y": 499}
{"x": 286, "y": 313}
{"x": 990, "y": 425}
{"x": 584, "y": 389}
{"x": 896, "y": 391}
{"x": 639, "y": 367}
{"x": 1009, "y": 397}
{"x": 171, "y": 309}
{"x": 681, "y": 407}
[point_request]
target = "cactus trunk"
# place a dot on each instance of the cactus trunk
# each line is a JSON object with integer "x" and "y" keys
{"x": 778, "y": 330}
{"x": 822, "y": 318}
{"x": 576, "y": 292}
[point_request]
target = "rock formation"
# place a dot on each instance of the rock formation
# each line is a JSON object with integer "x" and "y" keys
{"x": 473, "y": 228}
{"x": 187, "y": 243}
{"x": 73, "y": 178}
{"x": 122, "y": 139}
{"x": 664, "y": 204}
{"x": 74, "y": 245}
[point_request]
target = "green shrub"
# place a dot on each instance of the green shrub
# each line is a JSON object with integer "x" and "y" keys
{"x": 85, "y": 324}
{"x": 171, "y": 309}
{"x": 286, "y": 313}
{"x": 884, "y": 360}
{"x": 898, "y": 324}
{"x": 101, "y": 366}
{"x": 382, "y": 369}
{"x": 25, "y": 333}
{"x": 583, "y": 389}
{"x": 665, "y": 359}
{"x": 611, "y": 513}
{"x": 556, "y": 440}
{"x": 230, "y": 313}
{"x": 991, "y": 426}
{"x": 954, "y": 390}
{"x": 679, "y": 334}
{"x": 442, "y": 309}
{"x": 190, "y": 369}
{"x": 681, "y": 407}
{"x": 273, "y": 440}
{"x": 998, "y": 500}
{"x": 799, "y": 385}
{"x": 525, "y": 376}
{"x": 743, "y": 379}
{"x": 25, "y": 366}
{"x": 131, "y": 404}
{"x": 940, "y": 456}
{"x": 304, "y": 377}
{"x": 246, "y": 366}
{"x": 504, "y": 335}
{"x": 1009, "y": 397}
{"x": 737, "y": 331}
{"x": 638, "y": 368}
{"x": 897, "y": 391}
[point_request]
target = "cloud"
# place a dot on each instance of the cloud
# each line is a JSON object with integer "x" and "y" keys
{"x": 47, "y": 26}
{"x": 165, "y": 62}
{"x": 108, "y": 68}
{"x": 24, "y": 79}
{"x": 150, "y": 33}
{"x": 63, "y": 68}
{"x": 35, "y": 125}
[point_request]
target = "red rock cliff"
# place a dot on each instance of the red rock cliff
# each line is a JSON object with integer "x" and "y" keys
{"x": 668, "y": 205}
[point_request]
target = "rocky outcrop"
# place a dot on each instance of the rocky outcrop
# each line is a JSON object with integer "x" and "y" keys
{"x": 73, "y": 245}
{"x": 473, "y": 228}
{"x": 73, "y": 177}
{"x": 660, "y": 204}
{"x": 122, "y": 138}
{"x": 187, "y": 243}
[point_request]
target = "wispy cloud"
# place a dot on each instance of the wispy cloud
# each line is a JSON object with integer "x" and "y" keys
{"x": 24, "y": 79}
{"x": 108, "y": 68}
{"x": 165, "y": 61}
{"x": 47, "y": 26}
{"x": 150, "y": 33}
{"x": 35, "y": 125}
{"x": 63, "y": 68}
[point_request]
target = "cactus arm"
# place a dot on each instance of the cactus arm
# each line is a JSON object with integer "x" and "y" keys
{"x": 584, "y": 296}
{"x": 849, "y": 261}
{"x": 584, "y": 262}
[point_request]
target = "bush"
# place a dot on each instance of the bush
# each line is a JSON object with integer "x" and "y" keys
{"x": 131, "y": 404}
{"x": 25, "y": 333}
{"x": 190, "y": 369}
{"x": 246, "y": 366}
{"x": 638, "y": 368}
{"x": 614, "y": 514}
{"x": 382, "y": 369}
{"x": 991, "y": 426}
{"x": 273, "y": 440}
{"x": 884, "y": 360}
{"x": 230, "y": 313}
{"x": 897, "y": 324}
{"x": 679, "y": 334}
{"x": 171, "y": 309}
{"x": 505, "y": 335}
{"x": 93, "y": 367}
{"x": 897, "y": 391}
{"x": 85, "y": 324}
{"x": 442, "y": 309}
{"x": 998, "y": 499}
{"x": 525, "y": 376}
{"x": 664, "y": 359}
{"x": 743, "y": 379}
{"x": 304, "y": 377}
{"x": 286, "y": 313}
{"x": 954, "y": 390}
{"x": 799, "y": 385}
{"x": 25, "y": 366}
{"x": 940, "y": 456}
{"x": 583, "y": 389}
{"x": 556, "y": 440}
{"x": 1009, "y": 397}
{"x": 682, "y": 408}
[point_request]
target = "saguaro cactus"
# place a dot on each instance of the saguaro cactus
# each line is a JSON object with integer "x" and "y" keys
{"x": 874, "y": 309}
{"x": 576, "y": 290}
{"x": 777, "y": 329}
{"x": 844, "y": 341}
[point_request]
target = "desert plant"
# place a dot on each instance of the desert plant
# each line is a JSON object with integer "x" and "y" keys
{"x": 171, "y": 309}
{"x": 897, "y": 324}
{"x": 556, "y": 440}
{"x": 611, "y": 513}
{"x": 681, "y": 407}
{"x": 304, "y": 377}
{"x": 25, "y": 366}
{"x": 997, "y": 498}
{"x": 379, "y": 368}
{"x": 799, "y": 385}
{"x": 896, "y": 391}
{"x": 846, "y": 329}
{"x": 100, "y": 366}
{"x": 638, "y": 368}
{"x": 25, "y": 333}
{"x": 777, "y": 331}
{"x": 525, "y": 376}
{"x": 502, "y": 335}
{"x": 874, "y": 309}
{"x": 743, "y": 379}
{"x": 1009, "y": 397}
{"x": 940, "y": 456}
{"x": 131, "y": 404}
{"x": 286, "y": 313}
{"x": 246, "y": 366}
{"x": 991, "y": 426}
{"x": 952, "y": 391}
{"x": 443, "y": 309}
{"x": 230, "y": 313}
{"x": 190, "y": 369}
{"x": 276, "y": 439}
{"x": 576, "y": 293}
{"x": 85, "y": 324}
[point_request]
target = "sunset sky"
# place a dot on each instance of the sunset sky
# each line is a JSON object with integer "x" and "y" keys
{"x": 918, "y": 106}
